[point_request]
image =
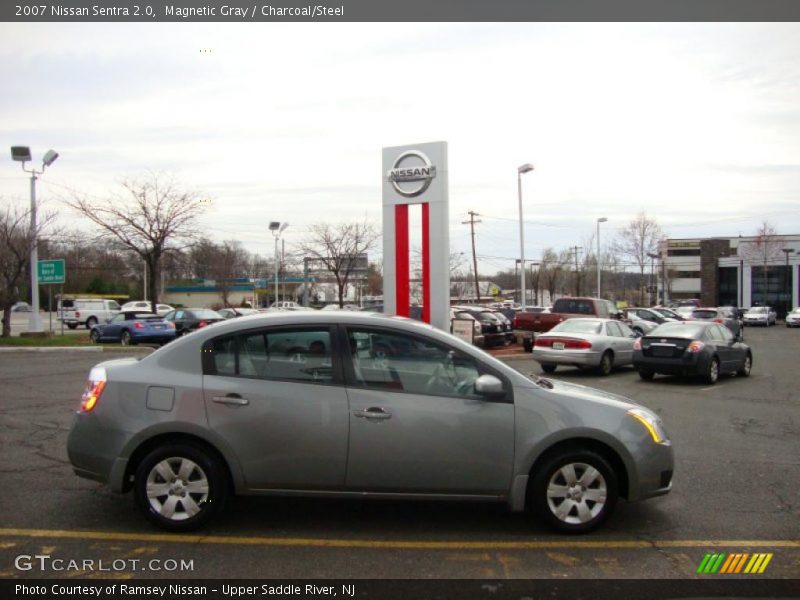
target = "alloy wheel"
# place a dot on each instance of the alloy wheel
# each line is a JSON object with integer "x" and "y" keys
{"x": 177, "y": 488}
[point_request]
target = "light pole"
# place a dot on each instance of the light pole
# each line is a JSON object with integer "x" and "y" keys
{"x": 526, "y": 168}
{"x": 23, "y": 154}
{"x": 787, "y": 279}
{"x": 276, "y": 227}
{"x": 599, "y": 220}
{"x": 653, "y": 258}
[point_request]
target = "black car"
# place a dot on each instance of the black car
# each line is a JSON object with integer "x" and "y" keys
{"x": 493, "y": 329}
{"x": 706, "y": 349}
{"x": 189, "y": 319}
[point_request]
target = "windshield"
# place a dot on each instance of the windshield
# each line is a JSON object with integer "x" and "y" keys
{"x": 578, "y": 326}
{"x": 759, "y": 310}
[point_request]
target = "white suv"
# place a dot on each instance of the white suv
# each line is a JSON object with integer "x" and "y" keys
{"x": 144, "y": 305}
{"x": 86, "y": 311}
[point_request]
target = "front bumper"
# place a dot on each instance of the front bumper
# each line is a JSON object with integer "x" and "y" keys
{"x": 756, "y": 321}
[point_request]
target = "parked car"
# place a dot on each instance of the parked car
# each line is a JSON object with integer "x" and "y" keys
{"x": 187, "y": 320}
{"x": 132, "y": 327}
{"x": 720, "y": 315}
{"x": 639, "y": 321}
{"x": 703, "y": 348}
{"x": 284, "y": 304}
{"x": 233, "y": 312}
{"x": 760, "y": 315}
{"x": 793, "y": 318}
{"x": 21, "y": 307}
{"x": 86, "y": 311}
{"x": 669, "y": 313}
{"x": 493, "y": 329}
{"x": 304, "y": 403}
{"x": 685, "y": 311}
{"x": 144, "y": 305}
{"x": 529, "y": 323}
{"x": 597, "y": 343}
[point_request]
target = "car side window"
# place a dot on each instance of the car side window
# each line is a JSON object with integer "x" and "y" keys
{"x": 399, "y": 362}
{"x": 295, "y": 355}
{"x": 714, "y": 334}
{"x": 614, "y": 329}
{"x": 725, "y": 333}
{"x": 178, "y": 314}
{"x": 118, "y": 318}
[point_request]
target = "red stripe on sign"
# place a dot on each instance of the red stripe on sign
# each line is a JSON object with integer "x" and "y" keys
{"x": 402, "y": 272}
{"x": 426, "y": 263}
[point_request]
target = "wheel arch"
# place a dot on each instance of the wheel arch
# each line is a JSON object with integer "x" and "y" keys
{"x": 609, "y": 453}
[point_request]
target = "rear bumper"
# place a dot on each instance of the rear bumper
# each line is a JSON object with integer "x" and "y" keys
{"x": 589, "y": 358}
{"x": 691, "y": 364}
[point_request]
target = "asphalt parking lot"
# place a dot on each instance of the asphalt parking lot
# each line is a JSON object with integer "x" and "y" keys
{"x": 735, "y": 490}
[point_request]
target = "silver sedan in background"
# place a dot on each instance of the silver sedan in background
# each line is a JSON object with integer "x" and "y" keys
{"x": 598, "y": 343}
{"x": 357, "y": 405}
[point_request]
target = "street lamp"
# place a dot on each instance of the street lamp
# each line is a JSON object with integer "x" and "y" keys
{"x": 526, "y": 168}
{"x": 276, "y": 227}
{"x": 23, "y": 154}
{"x": 599, "y": 220}
{"x": 787, "y": 279}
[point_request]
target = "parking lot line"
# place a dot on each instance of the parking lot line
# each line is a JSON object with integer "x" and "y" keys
{"x": 391, "y": 544}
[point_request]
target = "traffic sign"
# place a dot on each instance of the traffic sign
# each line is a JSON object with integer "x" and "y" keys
{"x": 51, "y": 271}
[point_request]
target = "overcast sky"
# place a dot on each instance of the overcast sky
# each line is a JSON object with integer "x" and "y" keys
{"x": 697, "y": 124}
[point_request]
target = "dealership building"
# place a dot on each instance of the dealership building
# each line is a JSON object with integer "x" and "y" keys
{"x": 731, "y": 271}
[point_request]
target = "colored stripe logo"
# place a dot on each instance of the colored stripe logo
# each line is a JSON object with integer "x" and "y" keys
{"x": 737, "y": 562}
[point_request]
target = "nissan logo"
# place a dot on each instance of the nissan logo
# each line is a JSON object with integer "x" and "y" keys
{"x": 408, "y": 170}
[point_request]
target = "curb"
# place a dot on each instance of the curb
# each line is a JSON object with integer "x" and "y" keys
{"x": 519, "y": 355}
{"x": 70, "y": 349}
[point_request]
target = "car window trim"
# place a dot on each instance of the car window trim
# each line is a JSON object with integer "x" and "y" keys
{"x": 210, "y": 367}
{"x": 350, "y": 375}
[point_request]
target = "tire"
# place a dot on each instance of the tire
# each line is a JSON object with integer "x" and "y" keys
{"x": 125, "y": 338}
{"x": 588, "y": 480}
{"x": 94, "y": 336}
{"x": 744, "y": 371}
{"x": 646, "y": 375}
{"x": 72, "y": 325}
{"x": 606, "y": 364}
{"x": 192, "y": 509}
{"x": 91, "y": 322}
{"x": 548, "y": 368}
{"x": 712, "y": 372}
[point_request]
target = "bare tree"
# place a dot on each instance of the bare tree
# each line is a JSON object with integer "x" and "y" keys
{"x": 223, "y": 263}
{"x": 16, "y": 241}
{"x": 636, "y": 240}
{"x": 551, "y": 271}
{"x": 337, "y": 247}
{"x": 151, "y": 216}
{"x": 762, "y": 250}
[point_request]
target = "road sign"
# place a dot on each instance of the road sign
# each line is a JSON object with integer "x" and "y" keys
{"x": 51, "y": 271}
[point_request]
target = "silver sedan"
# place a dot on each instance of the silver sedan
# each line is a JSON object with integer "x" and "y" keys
{"x": 353, "y": 405}
{"x": 599, "y": 343}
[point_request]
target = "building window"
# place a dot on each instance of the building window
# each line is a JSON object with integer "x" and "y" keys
{"x": 728, "y": 286}
{"x": 683, "y": 252}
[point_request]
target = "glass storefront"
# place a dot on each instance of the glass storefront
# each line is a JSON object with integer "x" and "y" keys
{"x": 728, "y": 286}
{"x": 771, "y": 287}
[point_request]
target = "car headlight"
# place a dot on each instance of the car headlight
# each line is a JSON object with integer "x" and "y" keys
{"x": 651, "y": 423}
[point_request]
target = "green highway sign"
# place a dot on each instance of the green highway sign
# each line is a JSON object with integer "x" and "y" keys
{"x": 51, "y": 271}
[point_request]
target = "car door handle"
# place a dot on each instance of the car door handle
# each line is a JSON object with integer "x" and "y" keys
{"x": 231, "y": 400}
{"x": 373, "y": 413}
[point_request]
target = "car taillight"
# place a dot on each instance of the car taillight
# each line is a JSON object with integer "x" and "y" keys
{"x": 94, "y": 389}
{"x": 77, "y": 315}
{"x": 718, "y": 321}
{"x": 568, "y": 343}
{"x": 202, "y": 323}
{"x": 138, "y": 325}
{"x": 637, "y": 344}
{"x": 695, "y": 347}
{"x": 543, "y": 343}
{"x": 170, "y": 324}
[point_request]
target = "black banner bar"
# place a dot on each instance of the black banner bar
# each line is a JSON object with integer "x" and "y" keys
{"x": 153, "y": 11}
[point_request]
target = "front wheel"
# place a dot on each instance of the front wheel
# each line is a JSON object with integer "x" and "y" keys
{"x": 180, "y": 486}
{"x": 125, "y": 338}
{"x": 606, "y": 364}
{"x": 744, "y": 370}
{"x": 575, "y": 491}
{"x": 95, "y": 336}
{"x": 646, "y": 375}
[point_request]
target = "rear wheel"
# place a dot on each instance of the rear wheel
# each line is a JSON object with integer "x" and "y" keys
{"x": 646, "y": 375}
{"x": 712, "y": 371}
{"x": 180, "y": 486}
{"x": 575, "y": 491}
{"x": 548, "y": 368}
{"x": 606, "y": 364}
{"x": 95, "y": 336}
{"x": 744, "y": 370}
{"x": 91, "y": 322}
{"x": 125, "y": 338}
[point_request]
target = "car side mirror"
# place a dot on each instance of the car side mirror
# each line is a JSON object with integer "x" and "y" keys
{"x": 489, "y": 385}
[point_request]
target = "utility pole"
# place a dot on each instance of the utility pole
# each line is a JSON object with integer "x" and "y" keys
{"x": 472, "y": 222}
{"x": 576, "y": 250}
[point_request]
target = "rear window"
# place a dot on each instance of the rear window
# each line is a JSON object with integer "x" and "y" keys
{"x": 573, "y": 306}
{"x": 682, "y": 329}
{"x": 206, "y": 314}
{"x": 704, "y": 314}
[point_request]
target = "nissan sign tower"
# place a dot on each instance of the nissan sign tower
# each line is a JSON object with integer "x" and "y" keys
{"x": 416, "y": 175}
